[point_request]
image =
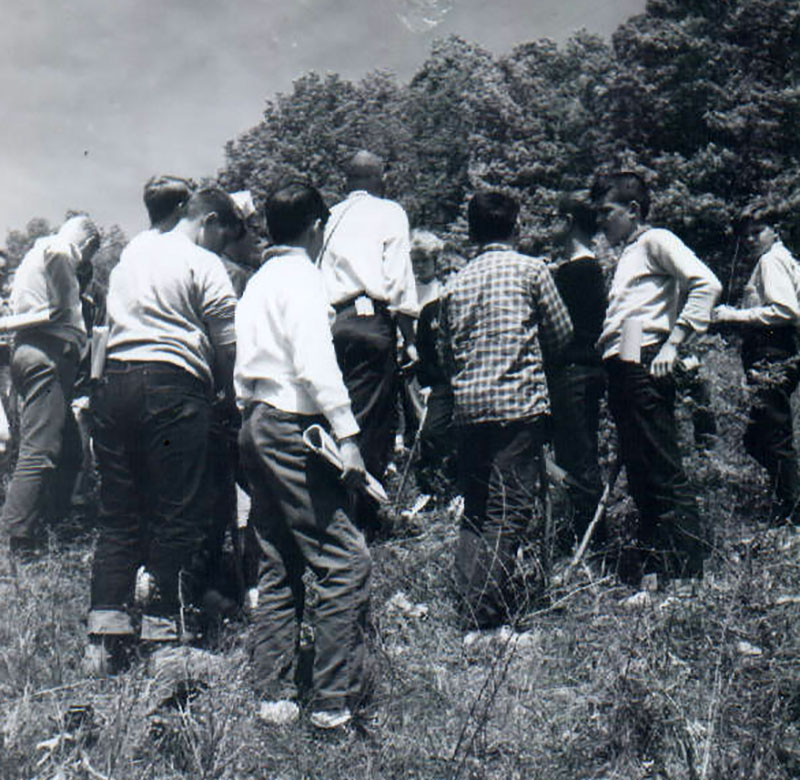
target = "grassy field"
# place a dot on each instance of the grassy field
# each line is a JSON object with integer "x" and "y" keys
{"x": 666, "y": 685}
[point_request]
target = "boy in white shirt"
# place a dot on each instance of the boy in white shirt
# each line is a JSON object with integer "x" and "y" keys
{"x": 653, "y": 274}
{"x": 768, "y": 320}
{"x": 287, "y": 378}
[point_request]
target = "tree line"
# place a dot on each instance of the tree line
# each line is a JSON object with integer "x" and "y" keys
{"x": 700, "y": 96}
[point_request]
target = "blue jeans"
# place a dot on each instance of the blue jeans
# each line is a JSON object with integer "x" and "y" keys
{"x": 43, "y": 371}
{"x": 151, "y": 429}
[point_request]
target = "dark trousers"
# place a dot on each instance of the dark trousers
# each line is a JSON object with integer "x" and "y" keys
{"x": 223, "y": 465}
{"x": 436, "y": 470}
{"x": 498, "y": 467}
{"x": 43, "y": 370}
{"x": 301, "y": 521}
{"x": 151, "y": 426}
{"x": 575, "y": 393}
{"x": 769, "y": 437}
{"x": 643, "y": 408}
{"x": 366, "y": 350}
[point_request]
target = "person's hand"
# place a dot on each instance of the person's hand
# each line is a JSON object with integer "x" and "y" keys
{"x": 725, "y": 313}
{"x": 410, "y": 357}
{"x": 664, "y": 361}
{"x": 354, "y": 473}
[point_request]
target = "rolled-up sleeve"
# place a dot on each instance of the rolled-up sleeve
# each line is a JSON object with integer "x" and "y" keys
{"x": 702, "y": 288}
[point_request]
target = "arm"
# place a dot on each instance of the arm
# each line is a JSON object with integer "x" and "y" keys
{"x": 555, "y": 325}
{"x": 308, "y": 331}
{"x": 670, "y": 254}
{"x": 218, "y": 311}
{"x": 62, "y": 281}
{"x": 773, "y": 287}
{"x": 405, "y": 323}
{"x": 398, "y": 271}
{"x": 444, "y": 344}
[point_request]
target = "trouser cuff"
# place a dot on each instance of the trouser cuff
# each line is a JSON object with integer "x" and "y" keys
{"x": 159, "y": 629}
{"x": 110, "y": 621}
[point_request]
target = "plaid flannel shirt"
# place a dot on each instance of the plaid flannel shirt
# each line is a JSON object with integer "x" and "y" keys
{"x": 501, "y": 315}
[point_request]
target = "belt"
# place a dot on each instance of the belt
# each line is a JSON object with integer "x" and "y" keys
{"x": 378, "y": 305}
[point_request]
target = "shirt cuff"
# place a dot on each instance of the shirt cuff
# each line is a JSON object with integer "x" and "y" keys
{"x": 342, "y": 422}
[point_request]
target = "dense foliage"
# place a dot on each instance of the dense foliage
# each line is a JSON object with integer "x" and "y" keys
{"x": 702, "y": 96}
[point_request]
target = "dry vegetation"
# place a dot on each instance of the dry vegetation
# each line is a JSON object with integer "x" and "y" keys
{"x": 697, "y": 686}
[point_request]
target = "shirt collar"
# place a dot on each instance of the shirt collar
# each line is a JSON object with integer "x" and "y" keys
{"x": 282, "y": 250}
{"x": 497, "y": 246}
{"x": 582, "y": 253}
{"x": 634, "y": 237}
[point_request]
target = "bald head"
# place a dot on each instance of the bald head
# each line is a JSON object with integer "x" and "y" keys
{"x": 365, "y": 172}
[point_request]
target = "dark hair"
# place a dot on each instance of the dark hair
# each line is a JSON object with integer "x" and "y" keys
{"x": 584, "y": 217}
{"x": 164, "y": 195}
{"x": 291, "y": 209}
{"x": 627, "y": 187}
{"x": 492, "y": 216}
{"x": 213, "y": 199}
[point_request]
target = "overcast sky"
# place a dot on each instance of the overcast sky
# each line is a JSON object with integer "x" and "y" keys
{"x": 98, "y": 95}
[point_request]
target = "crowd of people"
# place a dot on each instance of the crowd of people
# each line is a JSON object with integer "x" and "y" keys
{"x": 206, "y": 375}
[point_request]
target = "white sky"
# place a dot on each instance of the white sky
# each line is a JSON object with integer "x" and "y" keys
{"x": 98, "y": 95}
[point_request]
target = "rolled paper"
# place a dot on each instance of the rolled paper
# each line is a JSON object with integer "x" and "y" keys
{"x": 630, "y": 345}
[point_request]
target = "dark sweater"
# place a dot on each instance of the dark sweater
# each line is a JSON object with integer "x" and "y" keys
{"x": 582, "y": 287}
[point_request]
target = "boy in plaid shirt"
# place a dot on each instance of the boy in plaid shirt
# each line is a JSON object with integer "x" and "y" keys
{"x": 501, "y": 317}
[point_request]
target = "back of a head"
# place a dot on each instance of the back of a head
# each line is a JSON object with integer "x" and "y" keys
{"x": 81, "y": 231}
{"x": 627, "y": 186}
{"x": 292, "y": 209}
{"x": 214, "y": 200}
{"x": 426, "y": 242}
{"x": 492, "y": 216}
{"x": 164, "y": 196}
{"x": 365, "y": 172}
{"x": 577, "y": 207}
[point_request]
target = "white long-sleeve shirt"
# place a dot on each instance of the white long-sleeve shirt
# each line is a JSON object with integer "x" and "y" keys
{"x": 47, "y": 278}
{"x": 770, "y": 295}
{"x": 367, "y": 250}
{"x": 284, "y": 347}
{"x": 655, "y": 273}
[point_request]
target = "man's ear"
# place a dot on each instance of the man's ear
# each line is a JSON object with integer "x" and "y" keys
{"x": 635, "y": 210}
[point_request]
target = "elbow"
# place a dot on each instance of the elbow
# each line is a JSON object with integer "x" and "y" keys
{"x": 716, "y": 290}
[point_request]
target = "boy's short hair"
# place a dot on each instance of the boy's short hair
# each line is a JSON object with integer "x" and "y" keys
{"x": 577, "y": 206}
{"x": 426, "y": 241}
{"x": 164, "y": 195}
{"x": 627, "y": 185}
{"x": 492, "y": 216}
{"x": 216, "y": 200}
{"x": 291, "y": 209}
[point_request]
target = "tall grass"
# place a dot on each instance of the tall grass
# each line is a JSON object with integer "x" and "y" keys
{"x": 704, "y": 686}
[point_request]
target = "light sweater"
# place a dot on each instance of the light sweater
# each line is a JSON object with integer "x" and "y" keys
{"x": 655, "y": 273}
{"x": 169, "y": 301}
